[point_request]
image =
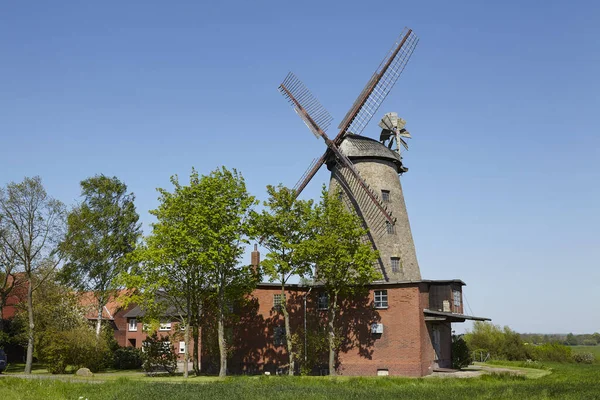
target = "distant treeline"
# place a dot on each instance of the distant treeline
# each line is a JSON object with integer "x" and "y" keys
{"x": 588, "y": 339}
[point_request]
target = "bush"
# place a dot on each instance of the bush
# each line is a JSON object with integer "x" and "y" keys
{"x": 551, "y": 352}
{"x": 78, "y": 347}
{"x": 461, "y": 356}
{"x": 584, "y": 358}
{"x": 127, "y": 358}
{"x": 158, "y": 355}
{"x": 501, "y": 343}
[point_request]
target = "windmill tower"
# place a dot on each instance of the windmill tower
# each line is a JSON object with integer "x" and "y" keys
{"x": 366, "y": 170}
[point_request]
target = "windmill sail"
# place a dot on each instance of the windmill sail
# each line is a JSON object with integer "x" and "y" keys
{"x": 379, "y": 86}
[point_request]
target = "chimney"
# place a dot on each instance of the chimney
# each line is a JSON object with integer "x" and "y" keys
{"x": 255, "y": 259}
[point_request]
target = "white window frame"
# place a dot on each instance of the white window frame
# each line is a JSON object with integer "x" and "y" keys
{"x": 132, "y": 325}
{"x": 182, "y": 347}
{"x": 456, "y": 296}
{"x": 164, "y": 326}
{"x": 380, "y": 299}
{"x": 278, "y": 301}
{"x": 395, "y": 260}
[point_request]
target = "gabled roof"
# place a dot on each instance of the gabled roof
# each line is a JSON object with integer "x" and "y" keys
{"x": 115, "y": 303}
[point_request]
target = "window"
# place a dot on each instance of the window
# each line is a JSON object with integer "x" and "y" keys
{"x": 456, "y": 295}
{"x": 391, "y": 228}
{"x": 181, "y": 347}
{"x": 395, "y": 261}
{"x": 323, "y": 301}
{"x": 165, "y": 326}
{"x": 132, "y": 324}
{"x": 381, "y": 299}
{"x": 278, "y": 301}
{"x": 279, "y": 336}
{"x": 385, "y": 196}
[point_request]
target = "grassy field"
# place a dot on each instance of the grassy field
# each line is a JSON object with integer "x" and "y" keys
{"x": 567, "y": 381}
{"x": 595, "y": 350}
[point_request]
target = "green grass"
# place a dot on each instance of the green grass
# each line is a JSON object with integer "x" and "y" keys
{"x": 567, "y": 381}
{"x": 595, "y": 350}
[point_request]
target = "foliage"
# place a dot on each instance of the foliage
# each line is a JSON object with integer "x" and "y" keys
{"x": 501, "y": 343}
{"x": 551, "y": 352}
{"x": 345, "y": 262}
{"x": 461, "y": 356}
{"x": 64, "y": 336}
{"x": 190, "y": 261}
{"x": 78, "y": 347}
{"x": 102, "y": 230}
{"x": 158, "y": 355}
{"x": 571, "y": 340}
{"x": 127, "y": 358}
{"x": 584, "y": 358}
{"x": 31, "y": 226}
{"x": 284, "y": 229}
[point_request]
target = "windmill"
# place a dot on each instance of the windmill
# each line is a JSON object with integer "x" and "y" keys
{"x": 366, "y": 169}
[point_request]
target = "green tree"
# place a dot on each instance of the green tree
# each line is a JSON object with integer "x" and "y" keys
{"x": 344, "y": 260}
{"x": 32, "y": 224}
{"x": 596, "y": 337}
{"x": 102, "y": 230}
{"x": 571, "y": 340}
{"x": 191, "y": 258}
{"x": 284, "y": 230}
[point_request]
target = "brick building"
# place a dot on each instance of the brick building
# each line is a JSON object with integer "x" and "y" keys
{"x": 399, "y": 328}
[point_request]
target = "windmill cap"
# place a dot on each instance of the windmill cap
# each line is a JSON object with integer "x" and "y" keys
{"x": 362, "y": 148}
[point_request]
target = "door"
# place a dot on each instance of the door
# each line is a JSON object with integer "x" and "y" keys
{"x": 436, "y": 342}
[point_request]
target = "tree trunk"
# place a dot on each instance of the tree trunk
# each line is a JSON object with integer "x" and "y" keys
{"x": 187, "y": 351}
{"x": 99, "y": 322}
{"x": 331, "y": 326}
{"x": 29, "y": 359}
{"x": 221, "y": 333}
{"x": 196, "y": 338}
{"x": 288, "y": 333}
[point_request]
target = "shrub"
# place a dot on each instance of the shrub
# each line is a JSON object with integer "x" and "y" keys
{"x": 158, "y": 355}
{"x": 501, "y": 343}
{"x": 461, "y": 356}
{"x": 127, "y": 358}
{"x": 584, "y": 358}
{"x": 78, "y": 347}
{"x": 553, "y": 351}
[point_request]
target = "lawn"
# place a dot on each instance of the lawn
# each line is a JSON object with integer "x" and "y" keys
{"x": 567, "y": 381}
{"x": 595, "y": 350}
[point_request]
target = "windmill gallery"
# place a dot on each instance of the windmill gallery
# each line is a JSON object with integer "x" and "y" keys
{"x": 403, "y": 326}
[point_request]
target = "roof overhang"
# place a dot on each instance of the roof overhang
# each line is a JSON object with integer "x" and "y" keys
{"x": 441, "y": 316}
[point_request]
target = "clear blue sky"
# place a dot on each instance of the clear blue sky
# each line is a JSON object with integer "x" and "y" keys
{"x": 502, "y": 99}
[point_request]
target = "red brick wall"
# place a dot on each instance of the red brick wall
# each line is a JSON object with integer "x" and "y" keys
{"x": 404, "y": 348}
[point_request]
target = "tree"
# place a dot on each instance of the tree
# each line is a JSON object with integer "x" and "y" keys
{"x": 63, "y": 334}
{"x": 225, "y": 207}
{"x": 10, "y": 277}
{"x": 102, "y": 230}
{"x": 571, "y": 340}
{"x": 31, "y": 226}
{"x": 190, "y": 261}
{"x": 344, "y": 260}
{"x": 284, "y": 229}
